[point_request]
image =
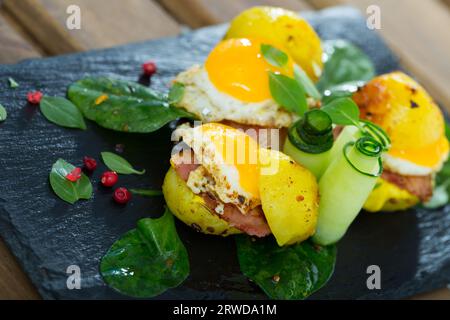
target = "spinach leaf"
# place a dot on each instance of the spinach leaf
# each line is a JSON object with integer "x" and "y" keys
{"x": 345, "y": 62}
{"x": 342, "y": 111}
{"x": 123, "y": 106}
{"x": 62, "y": 112}
{"x": 3, "y": 113}
{"x": 274, "y": 56}
{"x": 69, "y": 191}
{"x": 288, "y": 93}
{"x": 343, "y": 90}
{"x": 118, "y": 164}
{"x": 291, "y": 272}
{"x": 176, "y": 93}
{"x": 147, "y": 193}
{"x": 148, "y": 260}
{"x": 302, "y": 78}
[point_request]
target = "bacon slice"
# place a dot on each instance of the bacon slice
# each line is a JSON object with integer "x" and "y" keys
{"x": 253, "y": 223}
{"x": 420, "y": 186}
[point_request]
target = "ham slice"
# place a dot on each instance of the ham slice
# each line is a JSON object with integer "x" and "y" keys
{"x": 420, "y": 186}
{"x": 253, "y": 223}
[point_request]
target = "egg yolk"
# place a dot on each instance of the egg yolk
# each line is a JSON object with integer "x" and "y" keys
{"x": 430, "y": 156}
{"x": 238, "y": 150}
{"x": 238, "y": 68}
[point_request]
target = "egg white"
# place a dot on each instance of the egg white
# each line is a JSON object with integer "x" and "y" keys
{"x": 203, "y": 99}
{"x": 408, "y": 168}
{"x": 214, "y": 175}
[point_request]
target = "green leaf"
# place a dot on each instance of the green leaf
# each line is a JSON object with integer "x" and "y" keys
{"x": 147, "y": 193}
{"x": 302, "y": 78}
{"x": 300, "y": 269}
{"x": 440, "y": 196}
{"x": 345, "y": 62}
{"x": 65, "y": 189}
{"x": 3, "y": 113}
{"x": 274, "y": 56}
{"x": 288, "y": 93}
{"x": 62, "y": 112}
{"x": 118, "y": 164}
{"x": 343, "y": 90}
{"x": 343, "y": 111}
{"x": 148, "y": 260}
{"x": 12, "y": 83}
{"x": 122, "y": 105}
{"x": 176, "y": 93}
{"x": 447, "y": 131}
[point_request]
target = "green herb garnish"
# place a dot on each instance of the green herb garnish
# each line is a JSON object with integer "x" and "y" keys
{"x": 148, "y": 260}
{"x": 69, "y": 191}
{"x": 274, "y": 56}
{"x": 118, "y": 164}
{"x": 343, "y": 111}
{"x": 3, "y": 113}
{"x": 302, "y": 78}
{"x": 12, "y": 83}
{"x": 147, "y": 192}
{"x": 122, "y": 105}
{"x": 288, "y": 93}
{"x": 289, "y": 272}
{"x": 345, "y": 62}
{"x": 176, "y": 93}
{"x": 62, "y": 112}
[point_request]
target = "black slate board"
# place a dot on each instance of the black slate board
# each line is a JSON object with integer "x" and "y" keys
{"x": 412, "y": 248}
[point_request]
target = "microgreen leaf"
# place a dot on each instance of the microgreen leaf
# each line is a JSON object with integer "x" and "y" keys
{"x": 289, "y": 272}
{"x": 65, "y": 189}
{"x": 148, "y": 260}
{"x": 288, "y": 93}
{"x": 118, "y": 164}
{"x": 303, "y": 79}
{"x": 176, "y": 93}
{"x": 12, "y": 83}
{"x": 62, "y": 112}
{"x": 274, "y": 56}
{"x": 343, "y": 111}
{"x": 3, "y": 113}
{"x": 147, "y": 192}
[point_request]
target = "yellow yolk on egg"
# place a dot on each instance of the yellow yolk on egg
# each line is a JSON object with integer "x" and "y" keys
{"x": 238, "y": 150}
{"x": 237, "y": 67}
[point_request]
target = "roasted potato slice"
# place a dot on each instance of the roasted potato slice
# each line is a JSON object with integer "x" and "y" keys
{"x": 289, "y": 196}
{"x": 191, "y": 209}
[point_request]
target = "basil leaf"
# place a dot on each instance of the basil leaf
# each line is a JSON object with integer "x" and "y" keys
{"x": 12, "y": 83}
{"x": 148, "y": 260}
{"x": 118, "y": 164}
{"x": 447, "y": 131}
{"x": 147, "y": 193}
{"x": 345, "y": 62}
{"x": 123, "y": 106}
{"x": 343, "y": 111}
{"x": 69, "y": 191}
{"x": 274, "y": 56}
{"x": 300, "y": 269}
{"x": 176, "y": 93}
{"x": 288, "y": 93}
{"x": 3, "y": 113}
{"x": 343, "y": 90}
{"x": 62, "y": 112}
{"x": 302, "y": 78}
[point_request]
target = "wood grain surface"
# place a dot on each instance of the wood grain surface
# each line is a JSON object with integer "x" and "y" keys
{"x": 417, "y": 30}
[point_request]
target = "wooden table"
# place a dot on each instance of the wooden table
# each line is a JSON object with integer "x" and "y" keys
{"x": 417, "y": 30}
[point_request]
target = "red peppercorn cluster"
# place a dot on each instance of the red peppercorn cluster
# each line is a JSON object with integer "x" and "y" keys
{"x": 149, "y": 68}
{"x": 34, "y": 97}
